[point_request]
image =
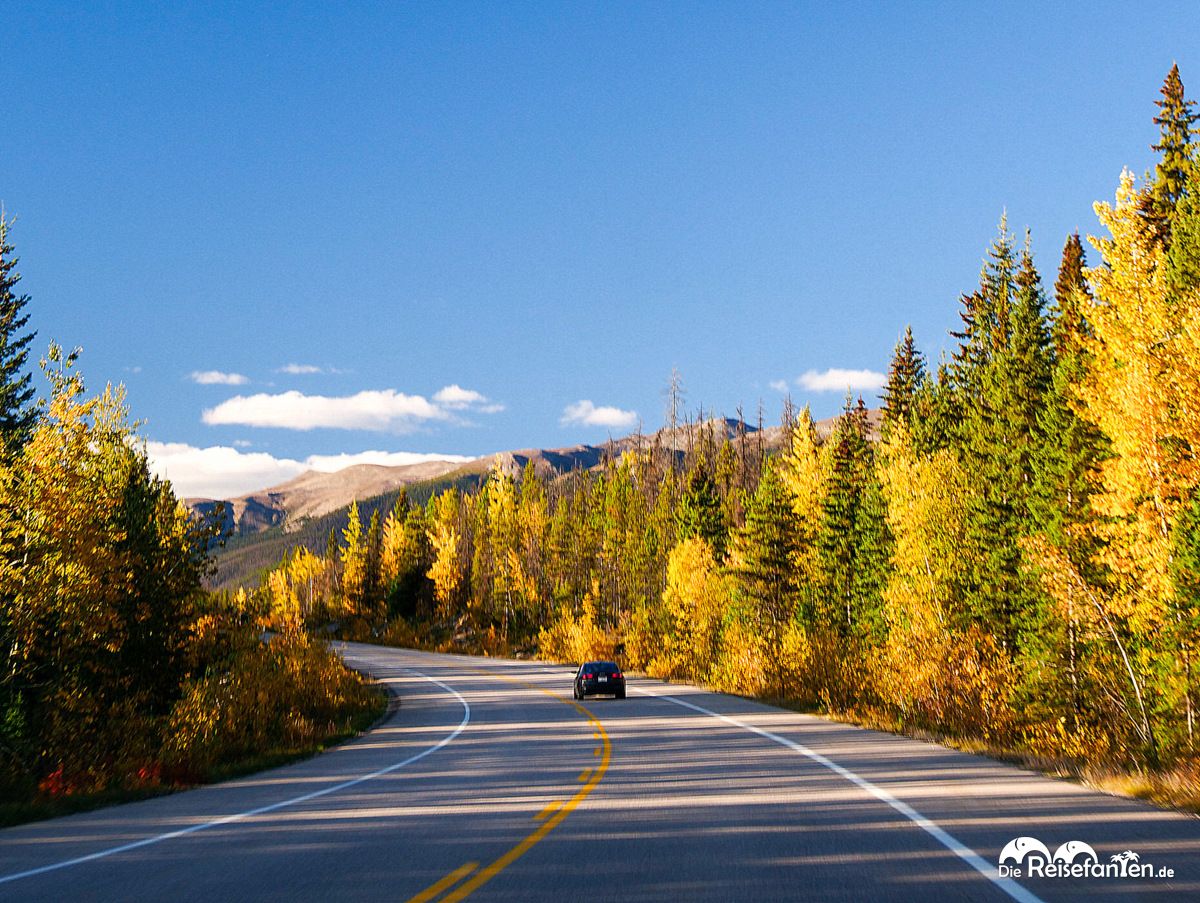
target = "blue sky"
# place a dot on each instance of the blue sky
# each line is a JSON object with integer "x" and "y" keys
{"x": 298, "y": 233}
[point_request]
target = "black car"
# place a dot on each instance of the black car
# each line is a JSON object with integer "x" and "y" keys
{"x": 599, "y": 678}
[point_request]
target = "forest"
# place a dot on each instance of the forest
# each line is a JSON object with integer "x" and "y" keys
{"x": 1012, "y": 558}
{"x": 119, "y": 674}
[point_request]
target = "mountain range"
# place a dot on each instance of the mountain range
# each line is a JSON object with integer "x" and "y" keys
{"x": 264, "y": 524}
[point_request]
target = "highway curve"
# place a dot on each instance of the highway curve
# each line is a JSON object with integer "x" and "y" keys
{"x": 487, "y": 782}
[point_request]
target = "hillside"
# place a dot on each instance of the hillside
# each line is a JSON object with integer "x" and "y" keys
{"x": 315, "y": 493}
{"x": 303, "y": 511}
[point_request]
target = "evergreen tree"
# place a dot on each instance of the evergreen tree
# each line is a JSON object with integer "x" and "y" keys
{"x": 1175, "y": 120}
{"x": 987, "y": 319}
{"x": 700, "y": 514}
{"x": 373, "y": 588}
{"x": 934, "y": 422}
{"x": 1072, "y": 297}
{"x": 906, "y": 379}
{"x": 1071, "y": 447}
{"x": 17, "y": 416}
{"x": 1028, "y": 357}
{"x": 1000, "y": 374}
{"x": 852, "y": 539}
{"x": 1184, "y": 623}
{"x": 1183, "y": 257}
{"x": 765, "y": 553}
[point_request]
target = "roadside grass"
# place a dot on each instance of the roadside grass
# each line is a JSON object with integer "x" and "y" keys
{"x": 39, "y": 808}
{"x": 1175, "y": 787}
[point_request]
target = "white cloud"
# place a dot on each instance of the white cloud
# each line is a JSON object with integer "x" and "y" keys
{"x": 779, "y": 385}
{"x": 222, "y": 472}
{"x": 217, "y": 378}
{"x": 456, "y": 398}
{"x": 300, "y": 369}
{"x": 837, "y": 380}
{"x": 381, "y": 411}
{"x": 586, "y": 413}
{"x": 219, "y": 471}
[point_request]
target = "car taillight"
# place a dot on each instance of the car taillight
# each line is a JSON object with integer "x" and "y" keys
{"x": 619, "y": 676}
{"x": 587, "y": 677}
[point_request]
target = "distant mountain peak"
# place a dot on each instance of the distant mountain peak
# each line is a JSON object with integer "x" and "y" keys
{"x": 316, "y": 493}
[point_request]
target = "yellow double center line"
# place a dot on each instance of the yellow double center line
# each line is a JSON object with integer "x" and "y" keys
{"x": 550, "y": 817}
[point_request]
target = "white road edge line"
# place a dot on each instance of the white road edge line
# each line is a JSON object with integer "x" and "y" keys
{"x": 955, "y": 846}
{"x": 159, "y": 838}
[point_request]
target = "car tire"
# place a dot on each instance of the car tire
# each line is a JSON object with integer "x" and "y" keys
{"x": 620, "y": 694}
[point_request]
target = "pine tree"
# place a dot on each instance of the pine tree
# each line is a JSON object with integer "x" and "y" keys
{"x": 1176, "y": 121}
{"x": 1184, "y": 621}
{"x": 1000, "y": 376}
{"x": 765, "y": 552}
{"x": 1071, "y": 447}
{"x": 372, "y": 579}
{"x": 934, "y": 421}
{"x": 447, "y": 570}
{"x": 1183, "y": 257}
{"x": 803, "y": 469}
{"x": 700, "y": 514}
{"x": 1028, "y": 356}
{"x": 906, "y": 379}
{"x": 854, "y": 539}
{"x": 1072, "y": 297}
{"x": 987, "y": 319}
{"x": 17, "y": 417}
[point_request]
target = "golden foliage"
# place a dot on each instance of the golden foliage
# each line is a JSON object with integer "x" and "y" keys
{"x": 694, "y": 599}
{"x": 576, "y": 639}
{"x": 1143, "y": 391}
{"x": 286, "y": 694}
{"x": 956, "y": 683}
{"x": 804, "y": 472}
{"x": 741, "y": 665}
{"x": 447, "y": 571}
{"x": 926, "y": 516}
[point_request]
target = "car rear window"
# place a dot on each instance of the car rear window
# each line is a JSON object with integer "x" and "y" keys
{"x": 607, "y": 668}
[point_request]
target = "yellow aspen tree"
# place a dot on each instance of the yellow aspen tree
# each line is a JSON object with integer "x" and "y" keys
{"x": 445, "y": 539}
{"x": 295, "y": 590}
{"x": 533, "y": 522}
{"x": 1142, "y": 391}
{"x": 695, "y": 598}
{"x": 393, "y": 548}
{"x": 354, "y": 563}
{"x": 935, "y": 668}
{"x": 927, "y": 518}
{"x": 503, "y": 543}
{"x": 804, "y": 474}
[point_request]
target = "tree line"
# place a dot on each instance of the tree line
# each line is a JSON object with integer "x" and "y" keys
{"x": 117, "y": 670}
{"x": 1014, "y": 557}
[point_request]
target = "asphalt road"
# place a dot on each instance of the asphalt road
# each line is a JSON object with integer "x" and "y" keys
{"x": 488, "y": 782}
